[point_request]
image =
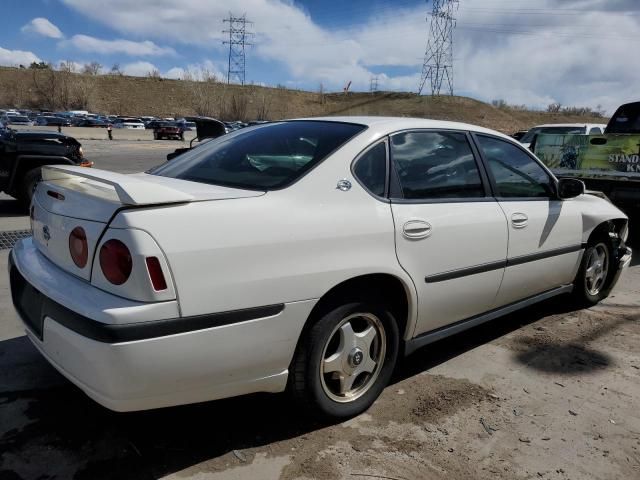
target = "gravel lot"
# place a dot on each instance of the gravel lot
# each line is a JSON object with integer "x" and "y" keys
{"x": 547, "y": 392}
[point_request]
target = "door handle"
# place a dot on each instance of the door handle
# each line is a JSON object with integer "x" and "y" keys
{"x": 519, "y": 220}
{"x": 416, "y": 229}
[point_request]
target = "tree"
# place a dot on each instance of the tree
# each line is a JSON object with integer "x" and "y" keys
{"x": 554, "y": 107}
{"x": 93, "y": 68}
{"x": 67, "y": 66}
{"x": 207, "y": 95}
{"x": 155, "y": 73}
{"x": 40, "y": 66}
{"x": 115, "y": 70}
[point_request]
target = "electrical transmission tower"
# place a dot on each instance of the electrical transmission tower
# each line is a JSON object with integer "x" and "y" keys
{"x": 438, "y": 58}
{"x": 237, "y": 41}
{"x": 373, "y": 84}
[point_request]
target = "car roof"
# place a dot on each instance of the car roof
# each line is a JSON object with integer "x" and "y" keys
{"x": 36, "y": 133}
{"x": 388, "y": 125}
{"x": 568, "y": 125}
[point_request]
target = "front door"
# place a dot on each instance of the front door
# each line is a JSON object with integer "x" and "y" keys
{"x": 544, "y": 232}
{"x": 451, "y": 234}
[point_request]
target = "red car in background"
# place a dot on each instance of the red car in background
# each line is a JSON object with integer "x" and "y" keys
{"x": 168, "y": 130}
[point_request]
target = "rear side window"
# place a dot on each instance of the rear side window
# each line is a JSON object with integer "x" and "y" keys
{"x": 595, "y": 131}
{"x": 435, "y": 165}
{"x": 261, "y": 158}
{"x": 516, "y": 174}
{"x": 371, "y": 169}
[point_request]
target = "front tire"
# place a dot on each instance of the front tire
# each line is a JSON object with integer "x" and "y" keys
{"x": 594, "y": 279}
{"x": 346, "y": 359}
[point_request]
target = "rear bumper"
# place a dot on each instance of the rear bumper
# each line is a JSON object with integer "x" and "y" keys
{"x": 125, "y": 361}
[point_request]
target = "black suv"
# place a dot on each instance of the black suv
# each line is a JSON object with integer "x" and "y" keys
{"x": 23, "y": 153}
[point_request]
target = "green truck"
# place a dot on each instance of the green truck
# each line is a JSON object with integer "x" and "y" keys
{"x": 609, "y": 162}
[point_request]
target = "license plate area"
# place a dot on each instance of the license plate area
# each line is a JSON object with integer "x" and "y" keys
{"x": 28, "y": 302}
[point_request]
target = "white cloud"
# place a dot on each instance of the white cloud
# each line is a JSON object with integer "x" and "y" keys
{"x": 86, "y": 43}
{"x": 13, "y": 58}
{"x": 42, "y": 26}
{"x": 138, "y": 69}
{"x": 576, "y": 52}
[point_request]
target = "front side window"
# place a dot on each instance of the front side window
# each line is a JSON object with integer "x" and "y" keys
{"x": 261, "y": 158}
{"x": 371, "y": 169}
{"x": 516, "y": 174}
{"x": 435, "y": 165}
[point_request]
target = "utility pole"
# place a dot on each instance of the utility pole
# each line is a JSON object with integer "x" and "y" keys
{"x": 438, "y": 58}
{"x": 373, "y": 84}
{"x": 237, "y": 41}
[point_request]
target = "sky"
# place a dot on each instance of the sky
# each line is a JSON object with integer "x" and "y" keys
{"x": 573, "y": 52}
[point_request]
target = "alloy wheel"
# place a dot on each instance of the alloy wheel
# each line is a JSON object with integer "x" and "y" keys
{"x": 353, "y": 357}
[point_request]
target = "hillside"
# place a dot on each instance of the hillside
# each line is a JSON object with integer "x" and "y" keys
{"x": 122, "y": 95}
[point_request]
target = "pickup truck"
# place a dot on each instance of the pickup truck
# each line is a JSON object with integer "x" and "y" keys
{"x": 24, "y": 153}
{"x": 609, "y": 163}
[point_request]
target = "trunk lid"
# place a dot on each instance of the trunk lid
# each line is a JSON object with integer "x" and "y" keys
{"x": 70, "y": 197}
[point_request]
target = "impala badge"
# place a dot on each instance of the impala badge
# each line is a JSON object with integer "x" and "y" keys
{"x": 344, "y": 185}
{"x": 46, "y": 234}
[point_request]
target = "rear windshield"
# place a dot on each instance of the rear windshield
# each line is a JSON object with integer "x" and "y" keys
{"x": 263, "y": 157}
{"x": 625, "y": 120}
{"x": 528, "y": 137}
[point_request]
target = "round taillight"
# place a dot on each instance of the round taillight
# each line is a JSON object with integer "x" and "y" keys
{"x": 78, "y": 247}
{"x": 115, "y": 261}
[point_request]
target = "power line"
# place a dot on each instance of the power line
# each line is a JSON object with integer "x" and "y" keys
{"x": 438, "y": 57}
{"x": 237, "y": 41}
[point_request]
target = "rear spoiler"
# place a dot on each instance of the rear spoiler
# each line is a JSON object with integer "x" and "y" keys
{"x": 130, "y": 190}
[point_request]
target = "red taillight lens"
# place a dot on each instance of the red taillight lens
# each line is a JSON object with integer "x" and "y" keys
{"x": 155, "y": 273}
{"x": 78, "y": 247}
{"x": 115, "y": 261}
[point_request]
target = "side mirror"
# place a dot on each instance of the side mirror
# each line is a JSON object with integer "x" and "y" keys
{"x": 570, "y": 188}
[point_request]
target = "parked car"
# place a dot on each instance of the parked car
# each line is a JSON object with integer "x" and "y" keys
{"x": 17, "y": 120}
{"x": 562, "y": 128}
{"x": 305, "y": 254}
{"x": 607, "y": 162}
{"x": 519, "y": 134}
{"x": 23, "y": 153}
{"x": 52, "y": 122}
{"x": 186, "y": 125}
{"x": 152, "y": 124}
{"x": 168, "y": 130}
{"x": 93, "y": 123}
{"x": 129, "y": 123}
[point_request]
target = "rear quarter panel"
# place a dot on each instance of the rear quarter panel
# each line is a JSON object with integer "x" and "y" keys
{"x": 288, "y": 245}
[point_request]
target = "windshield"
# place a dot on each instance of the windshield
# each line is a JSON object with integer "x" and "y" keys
{"x": 528, "y": 138}
{"x": 625, "y": 120}
{"x": 261, "y": 158}
{"x": 17, "y": 118}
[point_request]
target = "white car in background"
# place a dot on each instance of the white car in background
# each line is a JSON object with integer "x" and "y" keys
{"x": 563, "y": 129}
{"x": 130, "y": 123}
{"x": 303, "y": 254}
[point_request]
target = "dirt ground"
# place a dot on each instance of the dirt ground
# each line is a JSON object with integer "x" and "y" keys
{"x": 548, "y": 392}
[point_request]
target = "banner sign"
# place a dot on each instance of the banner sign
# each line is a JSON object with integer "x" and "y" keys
{"x": 591, "y": 155}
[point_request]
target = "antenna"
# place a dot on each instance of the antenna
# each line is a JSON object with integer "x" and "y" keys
{"x": 438, "y": 57}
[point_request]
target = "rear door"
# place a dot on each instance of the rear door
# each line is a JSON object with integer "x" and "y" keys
{"x": 451, "y": 235}
{"x": 545, "y": 233}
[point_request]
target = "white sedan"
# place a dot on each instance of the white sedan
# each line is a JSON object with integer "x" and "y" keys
{"x": 304, "y": 255}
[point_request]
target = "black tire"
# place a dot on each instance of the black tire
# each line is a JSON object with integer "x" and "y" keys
{"x": 310, "y": 386}
{"x": 586, "y": 293}
{"x": 28, "y": 186}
